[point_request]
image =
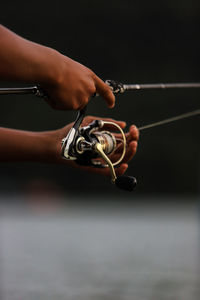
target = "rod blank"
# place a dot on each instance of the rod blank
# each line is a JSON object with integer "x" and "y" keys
{"x": 150, "y": 86}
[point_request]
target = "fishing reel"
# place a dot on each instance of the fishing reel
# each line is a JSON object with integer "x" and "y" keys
{"x": 92, "y": 146}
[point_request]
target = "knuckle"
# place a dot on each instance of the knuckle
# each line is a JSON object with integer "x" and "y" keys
{"x": 84, "y": 100}
{"x": 75, "y": 105}
{"x": 80, "y": 104}
{"x": 92, "y": 90}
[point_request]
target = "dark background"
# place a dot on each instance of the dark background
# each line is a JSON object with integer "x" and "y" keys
{"x": 129, "y": 41}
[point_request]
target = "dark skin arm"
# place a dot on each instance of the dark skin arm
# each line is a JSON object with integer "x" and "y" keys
{"x": 18, "y": 145}
{"x": 68, "y": 83}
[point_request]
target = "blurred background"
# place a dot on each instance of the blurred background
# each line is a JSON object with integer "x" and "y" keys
{"x": 62, "y": 241}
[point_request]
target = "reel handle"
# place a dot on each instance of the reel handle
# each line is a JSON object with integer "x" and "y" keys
{"x": 127, "y": 183}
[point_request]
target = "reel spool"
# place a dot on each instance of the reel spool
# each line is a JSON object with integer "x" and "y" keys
{"x": 92, "y": 146}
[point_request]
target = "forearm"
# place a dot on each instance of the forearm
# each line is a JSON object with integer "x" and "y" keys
{"x": 23, "y": 60}
{"x": 68, "y": 84}
{"x": 18, "y": 145}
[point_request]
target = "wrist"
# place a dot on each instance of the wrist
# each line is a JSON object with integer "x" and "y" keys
{"x": 52, "y": 144}
{"x": 49, "y": 149}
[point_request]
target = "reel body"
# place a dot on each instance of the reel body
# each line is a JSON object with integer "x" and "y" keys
{"x": 92, "y": 146}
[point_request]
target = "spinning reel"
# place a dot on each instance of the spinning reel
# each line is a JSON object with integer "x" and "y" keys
{"x": 92, "y": 146}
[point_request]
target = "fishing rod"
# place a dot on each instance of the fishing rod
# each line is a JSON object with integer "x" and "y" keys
{"x": 35, "y": 90}
{"x": 91, "y": 145}
{"x": 116, "y": 87}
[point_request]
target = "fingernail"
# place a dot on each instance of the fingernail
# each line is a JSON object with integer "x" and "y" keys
{"x": 125, "y": 166}
{"x": 112, "y": 105}
{"x": 133, "y": 126}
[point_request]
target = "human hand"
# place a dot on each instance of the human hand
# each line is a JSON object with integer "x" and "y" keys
{"x": 132, "y": 137}
{"x": 20, "y": 145}
{"x": 70, "y": 85}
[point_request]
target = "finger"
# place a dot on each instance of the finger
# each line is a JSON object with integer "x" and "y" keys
{"x": 89, "y": 119}
{"x": 112, "y": 127}
{"x": 106, "y": 171}
{"x": 120, "y": 170}
{"x": 132, "y": 135}
{"x": 104, "y": 90}
{"x": 130, "y": 152}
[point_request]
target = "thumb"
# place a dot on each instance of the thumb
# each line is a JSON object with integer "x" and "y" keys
{"x": 104, "y": 90}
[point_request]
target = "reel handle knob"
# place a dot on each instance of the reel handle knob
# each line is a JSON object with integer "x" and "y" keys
{"x": 127, "y": 183}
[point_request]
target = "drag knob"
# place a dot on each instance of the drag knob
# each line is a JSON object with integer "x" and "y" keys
{"x": 127, "y": 183}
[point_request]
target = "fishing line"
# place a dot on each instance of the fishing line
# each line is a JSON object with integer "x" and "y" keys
{"x": 170, "y": 120}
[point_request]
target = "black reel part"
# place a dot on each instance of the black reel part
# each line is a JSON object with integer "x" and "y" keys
{"x": 127, "y": 183}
